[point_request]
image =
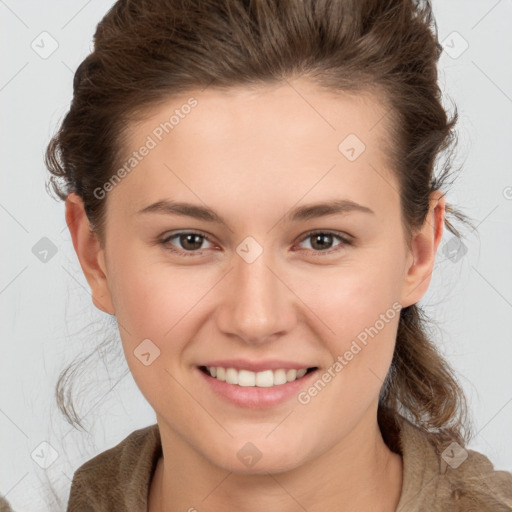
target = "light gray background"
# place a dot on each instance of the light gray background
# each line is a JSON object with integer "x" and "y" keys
{"x": 44, "y": 306}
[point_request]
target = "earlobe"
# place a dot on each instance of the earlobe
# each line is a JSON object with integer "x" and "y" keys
{"x": 423, "y": 251}
{"x": 89, "y": 253}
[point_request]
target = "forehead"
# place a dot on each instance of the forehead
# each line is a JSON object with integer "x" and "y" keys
{"x": 273, "y": 137}
{"x": 300, "y": 107}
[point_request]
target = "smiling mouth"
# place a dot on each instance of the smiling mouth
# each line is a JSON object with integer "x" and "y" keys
{"x": 263, "y": 379}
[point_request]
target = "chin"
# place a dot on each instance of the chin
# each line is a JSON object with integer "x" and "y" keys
{"x": 250, "y": 460}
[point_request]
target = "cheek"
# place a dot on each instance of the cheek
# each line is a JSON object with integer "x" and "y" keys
{"x": 347, "y": 300}
{"x": 359, "y": 313}
{"x": 363, "y": 315}
{"x": 160, "y": 303}
{"x": 154, "y": 329}
{"x": 150, "y": 295}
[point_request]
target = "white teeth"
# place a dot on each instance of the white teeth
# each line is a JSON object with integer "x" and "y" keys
{"x": 264, "y": 379}
{"x": 301, "y": 372}
{"x": 279, "y": 377}
{"x": 246, "y": 378}
{"x": 231, "y": 376}
{"x": 291, "y": 375}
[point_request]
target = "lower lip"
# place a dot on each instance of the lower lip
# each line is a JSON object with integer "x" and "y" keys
{"x": 253, "y": 397}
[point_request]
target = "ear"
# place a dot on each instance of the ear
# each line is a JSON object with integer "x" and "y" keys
{"x": 424, "y": 246}
{"x": 89, "y": 252}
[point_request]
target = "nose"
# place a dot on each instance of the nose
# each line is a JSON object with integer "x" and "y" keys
{"x": 257, "y": 305}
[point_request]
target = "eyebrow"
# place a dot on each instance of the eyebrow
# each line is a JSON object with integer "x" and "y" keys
{"x": 301, "y": 213}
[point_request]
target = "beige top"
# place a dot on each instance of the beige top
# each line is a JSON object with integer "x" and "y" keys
{"x": 118, "y": 479}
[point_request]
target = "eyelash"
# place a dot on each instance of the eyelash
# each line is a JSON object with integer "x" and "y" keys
{"x": 343, "y": 238}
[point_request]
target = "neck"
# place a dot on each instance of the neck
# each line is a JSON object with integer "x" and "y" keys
{"x": 358, "y": 473}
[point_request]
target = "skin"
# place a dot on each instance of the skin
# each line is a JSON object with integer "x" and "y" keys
{"x": 252, "y": 155}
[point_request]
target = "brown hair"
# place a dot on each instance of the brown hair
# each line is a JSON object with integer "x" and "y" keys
{"x": 146, "y": 51}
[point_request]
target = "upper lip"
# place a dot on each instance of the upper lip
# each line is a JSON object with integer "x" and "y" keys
{"x": 258, "y": 366}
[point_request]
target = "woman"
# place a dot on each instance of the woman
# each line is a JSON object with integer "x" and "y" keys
{"x": 250, "y": 191}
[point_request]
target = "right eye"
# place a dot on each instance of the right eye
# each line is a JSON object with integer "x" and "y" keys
{"x": 189, "y": 241}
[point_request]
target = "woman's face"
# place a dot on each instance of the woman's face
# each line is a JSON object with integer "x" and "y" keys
{"x": 250, "y": 287}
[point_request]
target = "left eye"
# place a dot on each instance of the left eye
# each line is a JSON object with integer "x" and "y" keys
{"x": 319, "y": 241}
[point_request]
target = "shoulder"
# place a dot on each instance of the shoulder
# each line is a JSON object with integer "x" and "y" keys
{"x": 117, "y": 479}
{"x": 449, "y": 476}
{"x": 474, "y": 480}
